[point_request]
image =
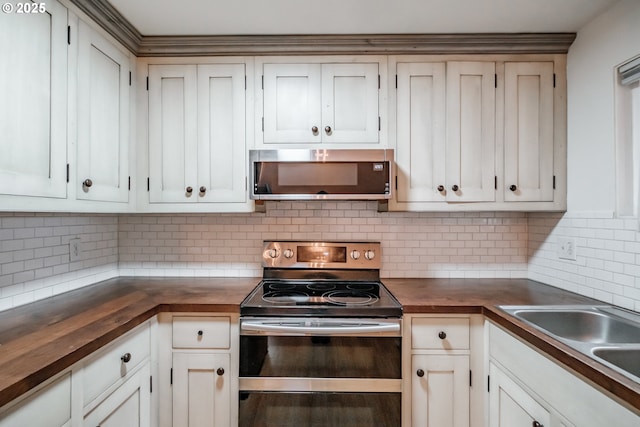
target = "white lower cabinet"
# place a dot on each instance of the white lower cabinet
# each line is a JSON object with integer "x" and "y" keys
{"x": 511, "y": 405}
{"x": 128, "y": 406}
{"x": 528, "y": 389}
{"x": 440, "y": 391}
{"x": 441, "y": 354}
{"x": 201, "y": 390}
{"x": 109, "y": 388}
{"x": 198, "y": 381}
{"x": 48, "y": 406}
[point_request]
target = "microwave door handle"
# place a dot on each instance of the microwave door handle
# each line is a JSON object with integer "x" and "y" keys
{"x": 310, "y": 329}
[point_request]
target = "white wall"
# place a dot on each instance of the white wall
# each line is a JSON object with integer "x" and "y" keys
{"x": 608, "y": 247}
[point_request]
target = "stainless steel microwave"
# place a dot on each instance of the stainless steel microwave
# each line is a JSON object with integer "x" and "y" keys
{"x": 319, "y": 174}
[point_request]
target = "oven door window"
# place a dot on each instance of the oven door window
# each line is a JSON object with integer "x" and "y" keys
{"x": 320, "y": 356}
{"x": 285, "y": 409}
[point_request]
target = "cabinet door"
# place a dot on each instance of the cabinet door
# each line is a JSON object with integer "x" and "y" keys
{"x": 420, "y": 151}
{"x": 510, "y": 405}
{"x": 440, "y": 391}
{"x": 528, "y": 131}
{"x": 48, "y": 407}
{"x": 172, "y": 133}
{"x": 471, "y": 131}
{"x": 103, "y": 119}
{"x": 292, "y": 103}
{"x": 128, "y": 406}
{"x": 350, "y": 103}
{"x": 33, "y": 89}
{"x": 201, "y": 390}
{"x": 221, "y": 133}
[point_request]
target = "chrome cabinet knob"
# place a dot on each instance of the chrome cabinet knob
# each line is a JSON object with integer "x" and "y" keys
{"x": 536, "y": 424}
{"x": 189, "y": 190}
{"x": 203, "y": 190}
{"x": 454, "y": 187}
{"x": 314, "y": 129}
{"x": 327, "y": 129}
{"x": 513, "y": 188}
{"x": 220, "y": 371}
{"x": 200, "y": 333}
{"x": 126, "y": 358}
{"x": 420, "y": 373}
{"x": 87, "y": 183}
{"x": 441, "y": 188}
{"x": 442, "y": 335}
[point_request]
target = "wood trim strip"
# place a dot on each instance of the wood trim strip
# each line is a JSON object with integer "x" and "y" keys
{"x": 122, "y": 30}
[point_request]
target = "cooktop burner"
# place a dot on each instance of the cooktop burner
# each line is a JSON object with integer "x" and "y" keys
{"x": 343, "y": 299}
{"x": 329, "y": 279}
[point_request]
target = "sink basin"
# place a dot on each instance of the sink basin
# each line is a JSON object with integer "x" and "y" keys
{"x": 583, "y": 325}
{"x": 607, "y": 334}
{"x": 627, "y": 359}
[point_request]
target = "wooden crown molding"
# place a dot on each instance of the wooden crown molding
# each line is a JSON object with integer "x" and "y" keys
{"x": 389, "y": 44}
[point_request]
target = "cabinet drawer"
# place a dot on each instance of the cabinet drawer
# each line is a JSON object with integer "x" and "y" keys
{"x": 115, "y": 362}
{"x": 450, "y": 333}
{"x": 48, "y": 407}
{"x": 201, "y": 332}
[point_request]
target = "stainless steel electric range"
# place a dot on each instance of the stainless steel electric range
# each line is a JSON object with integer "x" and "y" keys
{"x": 320, "y": 339}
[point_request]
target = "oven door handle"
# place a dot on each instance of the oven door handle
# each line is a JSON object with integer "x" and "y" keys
{"x": 321, "y": 328}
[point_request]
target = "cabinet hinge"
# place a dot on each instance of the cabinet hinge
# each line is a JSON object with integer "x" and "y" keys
{"x": 67, "y": 172}
{"x": 495, "y": 182}
{"x": 245, "y": 82}
{"x": 262, "y": 83}
{"x": 554, "y": 182}
{"x": 488, "y": 383}
{"x": 379, "y": 124}
{"x": 148, "y": 183}
{"x": 246, "y": 183}
{"x": 129, "y": 184}
{"x": 150, "y": 384}
{"x": 554, "y": 79}
{"x": 396, "y": 182}
{"x": 263, "y": 124}
{"x": 129, "y": 78}
{"x": 495, "y": 77}
{"x": 171, "y": 377}
{"x": 470, "y": 379}
{"x": 147, "y": 82}
{"x": 378, "y": 81}
{"x": 68, "y": 34}
{"x": 396, "y": 81}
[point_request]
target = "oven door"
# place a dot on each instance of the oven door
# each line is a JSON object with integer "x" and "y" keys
{"x": 320, "y": 372}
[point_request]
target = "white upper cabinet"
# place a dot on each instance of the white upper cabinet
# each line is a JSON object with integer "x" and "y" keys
{"x": 471, "y": 105}
{"x": 173, "y": 146}
{"x": 420, "y": 152}
{"x": 528, "y": 131}
{"x": 103, "y": 119}
{"x": 197, "y": 146}
{"x": 480, "y": 135}
{"x": 33, "y": 89}
{"x": 312, "y": 103}
{"x": 221, "y": 133}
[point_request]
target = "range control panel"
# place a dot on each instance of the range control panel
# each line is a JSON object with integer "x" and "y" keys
{"x": 306, "y": 254}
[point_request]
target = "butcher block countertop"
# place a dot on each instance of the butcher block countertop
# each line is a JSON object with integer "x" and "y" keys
{"x": 41, "y": 339}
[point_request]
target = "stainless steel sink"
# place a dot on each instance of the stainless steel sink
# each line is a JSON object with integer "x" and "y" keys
{"x": 627, "y": 359}
{"x": 607, "y": 334}
{"x": 590, "y": 325}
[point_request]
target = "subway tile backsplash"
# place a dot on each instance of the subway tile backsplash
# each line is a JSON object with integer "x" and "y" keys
{"x": 413, "y": 245}
{"x": 34, "y": 254}
{"x": 35, "y": 262}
